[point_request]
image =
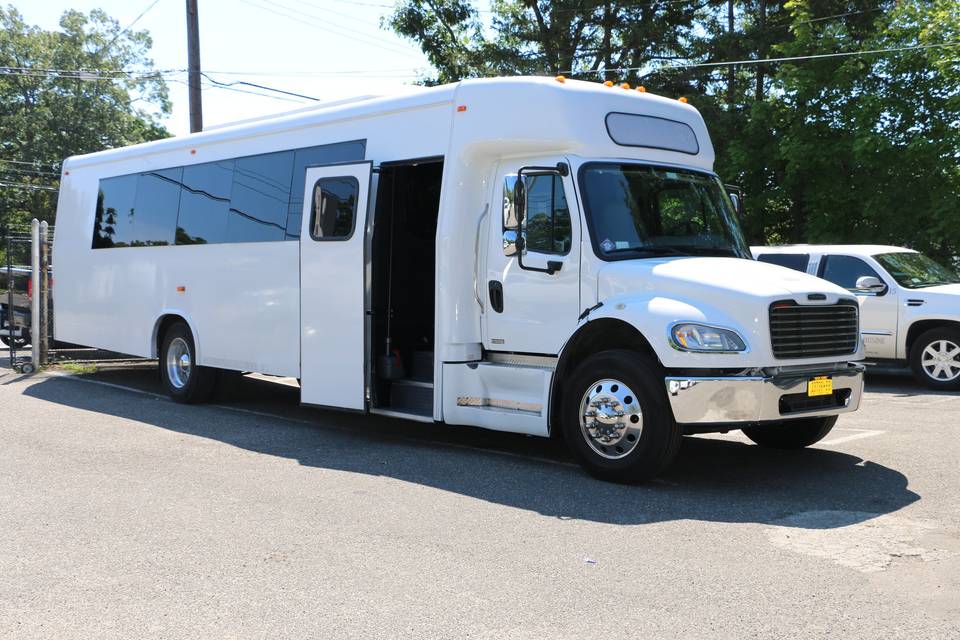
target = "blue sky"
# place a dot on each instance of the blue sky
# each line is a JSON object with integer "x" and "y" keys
{"x": 329, "y": 49}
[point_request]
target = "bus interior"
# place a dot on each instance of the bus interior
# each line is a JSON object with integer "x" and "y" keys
{"x": 403, "y": 285}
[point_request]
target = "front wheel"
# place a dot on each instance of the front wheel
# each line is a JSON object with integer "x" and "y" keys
{"x": 184, "y": 381}
{"x": 615, "y": 417}
{"x": 791, "y": 434}
{"x": 935, "y": 359}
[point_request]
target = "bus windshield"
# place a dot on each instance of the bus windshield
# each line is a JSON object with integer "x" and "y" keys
{"x": 640, "y": 211}
{"x": 915, "y": 270}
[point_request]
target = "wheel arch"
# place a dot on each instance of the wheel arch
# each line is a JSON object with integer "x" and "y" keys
{"x": 163, "y": 322}
{"x": 920, "y": 327}
{"x": 592, "y": 337}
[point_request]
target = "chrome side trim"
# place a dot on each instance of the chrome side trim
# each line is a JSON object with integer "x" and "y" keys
{"x": 496, "y": 403}
{"x": 746, "y": 399}
{"x": 522, "y": 360}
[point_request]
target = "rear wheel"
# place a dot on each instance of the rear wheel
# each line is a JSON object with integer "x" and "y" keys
{"x": 183, "y": 379}
{"x": 615, "y": 417}
{"x": 791, "y": 434}
{"x": 935, "y": 358}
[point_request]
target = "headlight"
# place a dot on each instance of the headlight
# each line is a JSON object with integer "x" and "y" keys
{"x": 700, "y": 337}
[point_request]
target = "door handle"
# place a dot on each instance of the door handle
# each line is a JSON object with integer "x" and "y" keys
{"x": 495, "y": 287}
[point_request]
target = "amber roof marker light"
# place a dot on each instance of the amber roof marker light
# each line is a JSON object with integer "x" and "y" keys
{"x": 683, "y": 99}
{"x": 561, "y": 79}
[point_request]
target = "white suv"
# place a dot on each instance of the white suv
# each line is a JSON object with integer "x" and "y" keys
{"x": 909, "y": 304}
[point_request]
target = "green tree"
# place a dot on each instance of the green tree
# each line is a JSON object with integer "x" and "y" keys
{"x": 46, "y": 116}
{"x": 859, "y": 148}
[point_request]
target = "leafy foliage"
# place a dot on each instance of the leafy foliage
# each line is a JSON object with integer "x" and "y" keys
{"x": 46, "y": 117}
{"x": 860, "y": 148}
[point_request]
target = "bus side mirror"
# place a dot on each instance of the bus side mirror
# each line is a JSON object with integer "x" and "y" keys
{"x": 510, "y": 242}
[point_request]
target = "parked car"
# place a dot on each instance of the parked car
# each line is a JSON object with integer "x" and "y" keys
{"x": 19, "y": 333}
{"x": 910, "y": 304}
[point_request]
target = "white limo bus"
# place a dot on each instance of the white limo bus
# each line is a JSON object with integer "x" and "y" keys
{"x": 535, "y": 255}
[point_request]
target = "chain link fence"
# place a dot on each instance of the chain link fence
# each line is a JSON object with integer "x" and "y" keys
{"x": 25, "y": 320}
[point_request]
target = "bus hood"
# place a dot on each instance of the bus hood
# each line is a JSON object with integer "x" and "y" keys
{"x": 719, "y": 281}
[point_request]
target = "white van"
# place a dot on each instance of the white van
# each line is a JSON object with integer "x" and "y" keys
{"x": 533, "y": 255}
{"x": 909, "y": 304}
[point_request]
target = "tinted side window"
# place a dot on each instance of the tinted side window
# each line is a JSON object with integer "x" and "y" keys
{"x": 113, "y": 219}
{"x": 205, "y": 203}
{"x": 547, "y": 219}
{"x": 845, "y": 270}
{"x": 795, "y": 261}
{"x": 156, "y": 207}
{"x": 334, "y": 208}
{"x": 259, "y": 198}
{"x": 303, "y": 158}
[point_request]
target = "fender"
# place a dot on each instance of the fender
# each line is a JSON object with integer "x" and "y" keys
{"x": 154, "y": 337}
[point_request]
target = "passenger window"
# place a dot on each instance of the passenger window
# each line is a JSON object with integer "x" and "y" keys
{"x": 845, "y": 271}
{"x": 311, "y": 156}
{"x": 334, "y": 208}
{"x": 260, "y": 197}
{"x": 795, "y": 261}
{"x": 156, "y": 208}
{"x": 205, "y": 203}
{"x": 113, "y": 218}
{"x": 547, "y": 219}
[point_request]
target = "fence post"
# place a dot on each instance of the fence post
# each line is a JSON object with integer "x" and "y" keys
{"x": 45, "y": 292}
{"x": 35, "y": 299}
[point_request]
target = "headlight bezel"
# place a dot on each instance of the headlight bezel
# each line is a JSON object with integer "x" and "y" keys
{"x": 732, "y": 335}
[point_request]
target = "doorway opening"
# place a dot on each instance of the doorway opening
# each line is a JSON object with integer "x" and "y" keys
{"x": 403, "y": 286}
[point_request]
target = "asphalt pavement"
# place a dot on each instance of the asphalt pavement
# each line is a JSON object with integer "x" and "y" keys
{"x": 123, "y": 514}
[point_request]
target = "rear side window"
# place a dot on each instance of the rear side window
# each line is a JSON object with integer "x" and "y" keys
{"x": 113, "y": 219}
{"x": 334, "y": 208}
{"x": 846, "y": 270}
{"x": 795, "y": 261}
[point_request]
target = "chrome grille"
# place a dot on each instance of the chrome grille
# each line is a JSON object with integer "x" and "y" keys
{"x": 811, "y": 331}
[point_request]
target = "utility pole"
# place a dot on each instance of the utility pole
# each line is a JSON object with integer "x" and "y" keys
{"x": 193, "y": 67}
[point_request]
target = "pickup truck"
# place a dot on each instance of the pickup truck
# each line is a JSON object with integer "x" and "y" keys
{"x": 909, "y": 304}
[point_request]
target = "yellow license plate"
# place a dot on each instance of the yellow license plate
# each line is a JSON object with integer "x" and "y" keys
{"x": 820, "y": 386}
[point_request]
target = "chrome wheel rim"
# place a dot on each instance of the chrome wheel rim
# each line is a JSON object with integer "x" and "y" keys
{"x": 611, "y": 420}
{"x": 178, "y": 363}
{"x": 941, "y": 360}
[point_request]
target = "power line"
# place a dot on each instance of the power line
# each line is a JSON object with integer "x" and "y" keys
{"x": 258, "y": 86}
{"x": 129, "y": 26}
{"x": 842, "y": 54}
{"x": 23, "y": 185}
{"x": 312, "y": 21}
{"x": 32, "y": 164}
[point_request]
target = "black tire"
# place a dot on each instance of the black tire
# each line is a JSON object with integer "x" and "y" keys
{"x": 791, "y": 434}
{"x": 651, "y": 448}
{"x": 190, "y": 385}
{"x": 931, "y": 339}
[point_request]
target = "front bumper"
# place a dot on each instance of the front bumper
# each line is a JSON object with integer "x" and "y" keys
{"x": 750, "y": 399}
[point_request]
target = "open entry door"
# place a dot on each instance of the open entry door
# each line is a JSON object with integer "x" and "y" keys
{"x": 332, "y": 284}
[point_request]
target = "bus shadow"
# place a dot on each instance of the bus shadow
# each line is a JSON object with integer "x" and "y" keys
{"x": 712, "y": 480}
